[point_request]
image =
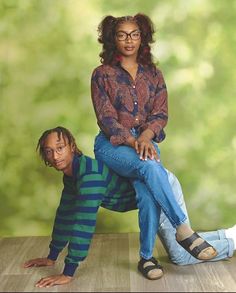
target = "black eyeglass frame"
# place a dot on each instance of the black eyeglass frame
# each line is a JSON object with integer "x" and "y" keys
{"x": 128, "y": 35}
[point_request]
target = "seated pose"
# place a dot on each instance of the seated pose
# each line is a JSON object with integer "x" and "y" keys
{"x": 89, "y": 184}
{"x": 130, "y": 101}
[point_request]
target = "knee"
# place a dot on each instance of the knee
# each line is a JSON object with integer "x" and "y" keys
{"x": 180, "y": 261}
{"x": 179, "y": 257}
{"x": 151, "y": 167}
{"x": 144, "y": 200}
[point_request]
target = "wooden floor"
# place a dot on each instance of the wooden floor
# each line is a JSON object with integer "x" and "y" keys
{"x": 110, "y": 267}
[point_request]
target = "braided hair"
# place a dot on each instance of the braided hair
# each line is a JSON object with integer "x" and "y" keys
{"x": 61, "y": 132}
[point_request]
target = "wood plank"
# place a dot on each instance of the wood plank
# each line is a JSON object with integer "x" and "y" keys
{"x": 106, "y": 268}
{"x": 111, "y": 266}
{"x": 215, "y": 277}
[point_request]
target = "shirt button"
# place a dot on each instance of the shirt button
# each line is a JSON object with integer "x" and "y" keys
{"x": 136, "y": 119}
{"x": 135, "y": 103}
{"x": 133, "y": 86}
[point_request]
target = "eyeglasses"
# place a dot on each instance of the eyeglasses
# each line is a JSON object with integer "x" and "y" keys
{"x": 123, "y": 36}
{"x": 59, "y": 150}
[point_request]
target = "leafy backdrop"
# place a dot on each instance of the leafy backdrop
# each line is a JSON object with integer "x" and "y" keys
{"x": 48, "y": 49}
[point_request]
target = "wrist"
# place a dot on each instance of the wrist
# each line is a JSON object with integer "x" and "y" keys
{"x": 53, "y": 253}
{"x": 66, "y": 276}
{"x": 69, "y": 269}
{"x": 131, "y": 141}
{"x": 147, "y": 134}
{"x": 50, "y": 261}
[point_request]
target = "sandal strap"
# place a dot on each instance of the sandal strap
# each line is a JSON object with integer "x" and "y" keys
{"x": 186, "y": 243}
{"x": 199, "y": 248}
{"x": 148, "y": 268}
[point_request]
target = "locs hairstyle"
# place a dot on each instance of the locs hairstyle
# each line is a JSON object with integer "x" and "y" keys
{"x": 106, "y": 36}
{"x": 61, "y": 132}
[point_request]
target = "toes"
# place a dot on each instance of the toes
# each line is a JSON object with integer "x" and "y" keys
{"x": 155, "y": 274}
{"x": 207, "y": 253}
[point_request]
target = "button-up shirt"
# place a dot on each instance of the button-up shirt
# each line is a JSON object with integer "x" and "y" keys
{"x": 122, "y": 103}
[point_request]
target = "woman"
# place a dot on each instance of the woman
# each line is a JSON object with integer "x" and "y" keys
{"x": 130, "y": 101}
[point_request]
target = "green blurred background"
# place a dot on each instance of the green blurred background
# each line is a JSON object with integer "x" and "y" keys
{"x": 48, "y": 49}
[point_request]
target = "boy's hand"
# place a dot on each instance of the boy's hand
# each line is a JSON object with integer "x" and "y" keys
{"x": 53, "y": 280}
{"x": 38, "y": 262}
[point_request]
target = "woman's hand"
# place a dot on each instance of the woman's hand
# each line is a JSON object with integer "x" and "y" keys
{"x": 131, "y": 141}
{"x": 38, "y": 262}
{"x": 145, "y": 148}
{"x": 53, "y": 280}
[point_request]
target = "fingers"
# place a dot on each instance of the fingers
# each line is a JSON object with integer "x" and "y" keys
{"x": 146, "y": 150}
{"x": 136, "y": 146}
{"x": 156, "y": 157}
{"x": 38, "y": 262}
{"x": 153, "y": 153}
{"x": 53, "y": 280}
{"x": 46, "y": 282}
{"x": 27, "y": 265}
{"x": 141, "y": 151}
{"x": 30, "y": 263}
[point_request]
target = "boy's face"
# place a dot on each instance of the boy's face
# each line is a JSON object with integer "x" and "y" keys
{"x": 59, "y": 153}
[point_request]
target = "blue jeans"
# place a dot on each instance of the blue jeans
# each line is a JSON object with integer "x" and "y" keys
{"x": 152, "y": 219}
{"x": 147, "y": 177}
{"x": 166, "y": 232}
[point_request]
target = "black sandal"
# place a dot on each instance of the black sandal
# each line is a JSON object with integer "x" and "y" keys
{"x": 186, "y": 243}
{"x": 148, "y": 268}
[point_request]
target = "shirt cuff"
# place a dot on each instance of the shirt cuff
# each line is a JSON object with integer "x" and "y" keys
{"x": 53, "y": 254}
{"x": 119, "y": 139}
{"x": 70, "y": 269}
{"x": 158, "y": 131}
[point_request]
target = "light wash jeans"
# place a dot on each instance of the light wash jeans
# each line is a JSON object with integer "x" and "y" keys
{"x": 166, "y": 232}
{"x": 157, "y": 203}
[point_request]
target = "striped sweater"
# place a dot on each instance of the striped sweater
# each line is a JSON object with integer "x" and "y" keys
{"x": 91, "y": 186}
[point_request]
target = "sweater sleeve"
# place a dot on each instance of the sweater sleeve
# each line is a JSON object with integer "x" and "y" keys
{"x": 90, "y": 192}
{"x": 63, "y": 221}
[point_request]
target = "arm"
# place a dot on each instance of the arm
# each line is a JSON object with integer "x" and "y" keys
{"x": 58, "y": 242}
{"x": 156, "y": 121}
{"x": 86, "y": 203}
{"x": 90, "y": 190}
{"x": 63, "y": 220}
{"x": 158, "y": 117}
{"x": 106, "y": 113}
{"x": 56, "y": 245}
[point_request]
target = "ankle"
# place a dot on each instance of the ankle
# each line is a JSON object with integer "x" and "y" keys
{"x": 183, "y": 231}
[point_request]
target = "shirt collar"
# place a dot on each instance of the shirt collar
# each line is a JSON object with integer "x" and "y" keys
{"x": 141, "y": 69}
{"x": 75, "y": 165}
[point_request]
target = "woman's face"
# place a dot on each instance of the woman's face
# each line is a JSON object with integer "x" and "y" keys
{"x": 128, "y": 39}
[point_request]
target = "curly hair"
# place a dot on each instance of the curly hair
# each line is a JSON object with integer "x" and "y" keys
{"x": 106, "y": 36}
{"x": 61, "y": 131}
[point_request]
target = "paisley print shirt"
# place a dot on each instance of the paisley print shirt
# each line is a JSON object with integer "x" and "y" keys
{"x": 122, "y": 103}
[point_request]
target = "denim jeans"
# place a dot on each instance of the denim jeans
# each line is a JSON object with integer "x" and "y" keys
{"x": 125, "y": 162}
{"x": 152, "y": 219}
{"x": 178, "y": 255}
{"x": 149, "y": 178}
